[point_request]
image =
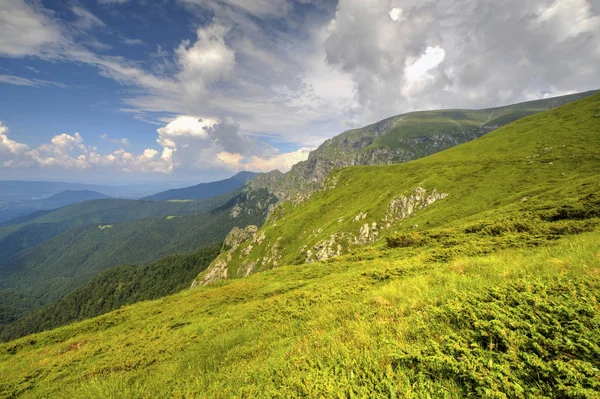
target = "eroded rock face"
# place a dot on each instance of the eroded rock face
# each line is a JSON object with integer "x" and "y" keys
{"x": 327, "y": 248}
{"x": 273, "y": 254}
{"x": 404, "y": 205}
{"x": 237, "y": 236}
{"x": 247, "y": 268}
{"x": 216, "y": 272}
{"x": 235, "y": 212}
{"x": 400, "y": 207}
{"x": 368, "y": 233}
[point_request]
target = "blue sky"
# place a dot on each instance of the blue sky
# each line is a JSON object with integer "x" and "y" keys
{"x": 196, "y": 90}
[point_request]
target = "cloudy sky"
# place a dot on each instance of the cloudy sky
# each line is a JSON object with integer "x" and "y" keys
{"x": 195, "y": 90}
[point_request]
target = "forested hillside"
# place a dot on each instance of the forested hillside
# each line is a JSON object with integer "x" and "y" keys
{"x": 45, "y": 258}
{"x": 116, "y": 287}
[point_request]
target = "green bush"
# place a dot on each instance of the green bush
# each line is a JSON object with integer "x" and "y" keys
{"x": 523, "y": 340}
{"x": 411, "y": 239}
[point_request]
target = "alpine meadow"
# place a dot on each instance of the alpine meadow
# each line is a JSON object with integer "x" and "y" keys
{"x": 303, "y": 199}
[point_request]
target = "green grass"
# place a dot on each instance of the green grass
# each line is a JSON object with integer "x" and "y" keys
{"x": 179, "y": 200}
{"x": 554, "y": 154}
{"x": 393, "y": 323}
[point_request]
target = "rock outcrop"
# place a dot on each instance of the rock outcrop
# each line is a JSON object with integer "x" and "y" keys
{"x": 237, "y": 236}
{"x": 404, "y": 205}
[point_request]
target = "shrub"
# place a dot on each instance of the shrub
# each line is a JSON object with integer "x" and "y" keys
{"x": 412, "y": 239}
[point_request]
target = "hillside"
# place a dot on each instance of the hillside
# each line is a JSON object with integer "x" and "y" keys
{"x": 526, "y": 159}
{"x": 116, "y": 287}
{"x": 64, "y": 198}
{"x": 398, "y": 139}
{"x": 45, "y": 258}
{"x": 486, "y": 287}
{"x": 205, "y": 190}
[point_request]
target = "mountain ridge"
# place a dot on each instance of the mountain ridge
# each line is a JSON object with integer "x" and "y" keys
{"x": 398, "y": 139}
{"x": 293, "y": 233}
{"x": 204, "y": 190}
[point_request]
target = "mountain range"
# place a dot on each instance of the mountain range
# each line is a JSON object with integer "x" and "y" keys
{"x": 25, "y": 207}
{"x": 471, "y": 272}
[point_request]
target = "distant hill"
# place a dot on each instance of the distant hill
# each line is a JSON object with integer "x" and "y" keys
{"x": 64, "y": 198}
{"x": 204, "y": 190}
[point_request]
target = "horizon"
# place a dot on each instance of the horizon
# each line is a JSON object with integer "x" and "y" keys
{"x": 193, "y": 91}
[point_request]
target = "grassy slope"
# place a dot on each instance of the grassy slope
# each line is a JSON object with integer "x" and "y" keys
{"x": 379, "y": 322}
{"x": 541, "y": 155}
{"x": 316, "y": 331}
{"x": 423, "y": 123}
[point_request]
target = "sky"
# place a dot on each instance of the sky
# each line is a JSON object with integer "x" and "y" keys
{"x": 196, "y": 90}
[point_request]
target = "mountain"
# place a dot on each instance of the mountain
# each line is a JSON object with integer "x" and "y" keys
{"x": 46, "y": 257}
{"x": 67, "y": 197}
{"x": 398, "y": 139}
{"x": 363, "y": 204}
{"x": 485, "y": 284}
{"x": 204, "y": 190}
{"x": 116, "y": 287}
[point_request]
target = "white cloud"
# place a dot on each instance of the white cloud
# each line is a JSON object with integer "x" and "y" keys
{"x": 12, "y": 153}
{"x": 67, "y": 151}
{"x": 208, "y": 59}
{"x": 85, "y": 19}
{"x": 27, "y": 29}
{"x": 20, "y": 81}
{"x": 418, "y": 72}
{"x": 184, "y": 126}
{"x": 423, "y": 54}
{"x": 396, "y": 14}
{"x": 187, "y": 144}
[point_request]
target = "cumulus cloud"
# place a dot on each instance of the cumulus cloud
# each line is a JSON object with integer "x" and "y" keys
{"x": 206, "y": 143}
{"x": 187, "y": 144}
{"x": 406, "y": 55}
{"x": 208, "y": 58}
{"x": 67, "y": 151}
{"x": 12, "y": 153}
